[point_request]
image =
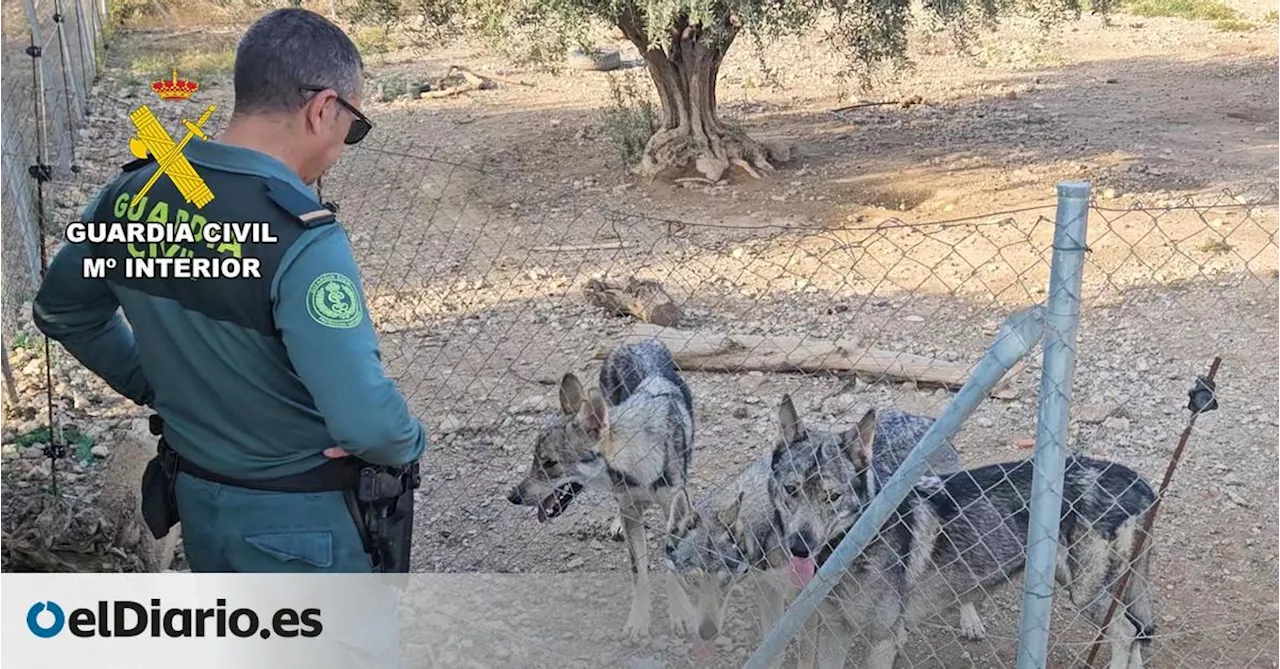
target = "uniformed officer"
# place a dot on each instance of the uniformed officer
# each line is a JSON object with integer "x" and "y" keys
{"x": 271, "y": 390}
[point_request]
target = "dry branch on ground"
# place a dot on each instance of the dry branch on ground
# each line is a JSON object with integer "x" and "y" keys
{"x": 708, "y": 352}
{"x": 470, "y": 82}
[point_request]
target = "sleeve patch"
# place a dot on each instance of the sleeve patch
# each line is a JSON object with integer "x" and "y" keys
{"x": 332, "y": 301}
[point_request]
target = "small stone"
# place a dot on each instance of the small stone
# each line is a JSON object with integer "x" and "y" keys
{"x": 575, "y": 563}
{"x": 913, "y": 319}
{"x": 840, "y": 404}
{"x": 1236, "y": 498}
{"x": 1116, "y": 424}
{"x": 1097, "y": 413}
{"x": 1109, "y": 193}
{"x": 1025, "y": 442}
{"x": 33, "y": 368}
{"x": 984, "y": 421}
{"x": 100, "y": 451}
{"x": 449, "y": 424}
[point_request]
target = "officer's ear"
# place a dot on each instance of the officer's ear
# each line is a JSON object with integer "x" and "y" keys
{"x": 320, "y": 112}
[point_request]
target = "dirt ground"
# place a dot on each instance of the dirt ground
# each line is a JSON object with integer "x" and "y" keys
{"x": 914, "y": 229}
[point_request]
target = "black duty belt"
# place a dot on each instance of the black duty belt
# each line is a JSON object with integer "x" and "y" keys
{"x": 336, "y": 474}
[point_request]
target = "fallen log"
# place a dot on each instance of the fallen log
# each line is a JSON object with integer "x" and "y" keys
{"x": 643, "y": 298}
{"x": 707, "y": 352}
{"x": 471, "y": 82}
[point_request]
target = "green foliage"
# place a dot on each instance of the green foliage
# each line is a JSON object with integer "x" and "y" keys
{"x": 125, "y": 12}
{"x": 81, "y": 444}
{"x": 1233, "y": 26}
{"x": 196, "y": 63}
{"x": 371, "y": 40}
{"x": 379, "y": 13}
{"x": 1216, "y": 247}
{"x": 437, "y": 21}
{"x": 1272, "y": 16}
{"x": 630, "y": 119}
{"x": 1207, "y": 10}
{"x": 21, "y": 340}
{"x": 865, "y": 33}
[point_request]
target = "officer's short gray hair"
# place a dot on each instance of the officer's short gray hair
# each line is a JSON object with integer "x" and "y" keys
{"x": 288, "y": 50}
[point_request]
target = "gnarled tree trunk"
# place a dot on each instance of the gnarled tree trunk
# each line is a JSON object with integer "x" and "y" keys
{"x": 691, "y": 132}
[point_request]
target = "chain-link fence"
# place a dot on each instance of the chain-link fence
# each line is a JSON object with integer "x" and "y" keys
{"x": 787, "y": 334}
{"x": 483, "y": 302}
{"x": 51, "y": 55}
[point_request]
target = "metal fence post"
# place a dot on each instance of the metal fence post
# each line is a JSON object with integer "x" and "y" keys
{"x": 1017, "y": 336}
{"x": 1062, "y": 319}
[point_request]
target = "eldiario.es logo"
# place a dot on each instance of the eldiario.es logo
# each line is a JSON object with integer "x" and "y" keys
{"x": 124, "y": 618}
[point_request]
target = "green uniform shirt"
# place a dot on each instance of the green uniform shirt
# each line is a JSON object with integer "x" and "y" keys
{"x": 254, "y": 378}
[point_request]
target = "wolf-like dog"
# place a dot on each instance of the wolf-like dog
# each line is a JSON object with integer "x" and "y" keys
{"x": 736, "y": 537}
{"x": 957, "y": 537}
{"x": 633, "y": 437}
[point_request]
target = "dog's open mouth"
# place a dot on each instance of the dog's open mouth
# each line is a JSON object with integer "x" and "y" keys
{"x": 555, "y": 503}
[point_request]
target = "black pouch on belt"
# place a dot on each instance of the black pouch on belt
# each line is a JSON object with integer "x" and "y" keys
{"x": 159, "y": 503}
{"x": 382, "y": 506}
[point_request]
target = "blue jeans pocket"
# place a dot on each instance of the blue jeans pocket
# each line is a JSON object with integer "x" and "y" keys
{"x": 311, "y": 547}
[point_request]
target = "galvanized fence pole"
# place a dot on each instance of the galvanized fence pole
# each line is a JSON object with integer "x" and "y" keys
{"x": 1019, "y": 333}
{"x": 1062, "y": 319}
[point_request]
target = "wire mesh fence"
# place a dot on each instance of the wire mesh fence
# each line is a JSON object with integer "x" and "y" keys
{"x": 484, "y": 303}
{"x": 485, "y": 296}
{"x": 51, "y": 52}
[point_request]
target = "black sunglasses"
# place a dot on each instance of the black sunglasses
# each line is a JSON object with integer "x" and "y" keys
{"x": 359, "y": 127}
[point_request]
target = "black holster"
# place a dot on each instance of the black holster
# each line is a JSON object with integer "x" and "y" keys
{"x": 382, "y": 505}
{"x": 159, "y": 504}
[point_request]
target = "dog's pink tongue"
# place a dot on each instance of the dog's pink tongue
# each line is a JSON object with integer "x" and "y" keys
{"x": 801, "y": 571}
{"x": 704, "y": 650}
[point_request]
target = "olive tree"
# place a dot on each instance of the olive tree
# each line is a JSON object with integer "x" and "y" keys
{"x": 684, "y": 42}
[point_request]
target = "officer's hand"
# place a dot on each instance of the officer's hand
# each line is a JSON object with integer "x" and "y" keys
{"x": 335, "y": 452}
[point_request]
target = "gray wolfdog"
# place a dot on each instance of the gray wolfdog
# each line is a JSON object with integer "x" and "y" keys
{"x": 957, "y": 537}
{"x": 632, "y": 437}
{"x": 736, "y": 536}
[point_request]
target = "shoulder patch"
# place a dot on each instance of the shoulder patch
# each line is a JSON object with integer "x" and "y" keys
{"x": 308, "y": 212}
{"x": 332, "y": 301}
{"x": 135, "y": 165}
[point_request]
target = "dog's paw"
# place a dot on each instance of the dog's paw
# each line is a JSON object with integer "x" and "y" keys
{"x": 637, "y": 628}
{"x": 615, "y": 529}
{"x": 680, "y": 625}
{"x": 970, "y": 624}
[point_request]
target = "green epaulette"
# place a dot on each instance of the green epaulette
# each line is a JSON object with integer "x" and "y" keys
{"x": 307, "y": 211}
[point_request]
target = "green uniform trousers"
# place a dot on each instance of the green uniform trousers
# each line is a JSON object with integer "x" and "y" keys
{"x": 232, "y": 529}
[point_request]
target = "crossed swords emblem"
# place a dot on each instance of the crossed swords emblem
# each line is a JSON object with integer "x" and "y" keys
{"x": 155, "y": 140}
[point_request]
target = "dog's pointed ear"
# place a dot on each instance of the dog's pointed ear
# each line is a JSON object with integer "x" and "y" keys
{"x": 682, "y": 515}
{"x": 570, "y": 393}
{"x": 593, "y": 416}
{"x": 792, "y": 429}
{"x": 858, "y": 441}
{"x": 729, "y": 515}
